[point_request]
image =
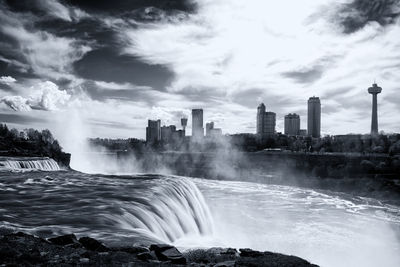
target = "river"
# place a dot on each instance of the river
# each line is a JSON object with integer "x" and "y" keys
{"x": 326, "y": 228}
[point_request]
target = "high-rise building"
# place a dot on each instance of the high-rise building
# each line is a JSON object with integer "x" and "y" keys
{"x": 314, "y": 117}
{"x": 209, "y": 127}
{"x": 197, "y": 124}
{"x": 167, "y": 133}
{"x": 153, "y": 131}
{"x": 374, "y": 91}
{"x": 292, "y": 124}
{"x": 265, "y": 123}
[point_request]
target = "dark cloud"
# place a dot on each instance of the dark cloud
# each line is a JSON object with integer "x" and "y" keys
{"x": 120, "y": 6}
{"x": 87, "y": 29}
{"x": 125, "y": 93}
{"x": 20, "y": 118}
{"x": 305, "y": 75}
{"x": 358, "y": 13}
{"x": 108, "y": 65}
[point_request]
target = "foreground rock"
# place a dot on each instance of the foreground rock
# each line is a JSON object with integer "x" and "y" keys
{"x": 20, "y": 249}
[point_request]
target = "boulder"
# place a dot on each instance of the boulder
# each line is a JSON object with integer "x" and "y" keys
{"x": 92, "y": 244}
{"x": 246, "y": 252}
{"x": 63, "y": 240}
{"x": 229, "y": 251}
{"x": 146, "y": 256}
{"x": 168, "y": 253}
{"x": 132, "y": 250}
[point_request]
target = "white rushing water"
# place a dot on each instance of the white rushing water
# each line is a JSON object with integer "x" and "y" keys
{"x": 174, "y": 209}
{"x": 42, "y": 164}
{"x": 323, "y": 227}
{"x": 326, "y": 228}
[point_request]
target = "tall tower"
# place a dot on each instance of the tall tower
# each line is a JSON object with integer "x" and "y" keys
{"x": 374, "y": 91}
{"x": 314, "y": 117}
{"x": 197, "y": 124}
{"x": 184, "y": 123}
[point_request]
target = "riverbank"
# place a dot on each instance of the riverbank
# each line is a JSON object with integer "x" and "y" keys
{"x": 365, "y": 175}
{"x": 28, "y": 250}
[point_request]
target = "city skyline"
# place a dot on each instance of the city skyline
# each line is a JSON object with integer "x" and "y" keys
{"x": 102, "y": 69}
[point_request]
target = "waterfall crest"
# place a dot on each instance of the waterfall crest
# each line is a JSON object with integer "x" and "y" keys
{"x": 176, "y": 209}
{"x": 42, "y": 164}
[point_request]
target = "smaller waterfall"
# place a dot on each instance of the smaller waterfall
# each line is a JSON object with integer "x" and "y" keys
{"x": 43, "y": 164}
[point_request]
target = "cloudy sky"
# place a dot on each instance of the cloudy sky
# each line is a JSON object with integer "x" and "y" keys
{"x": 108, "y": 66}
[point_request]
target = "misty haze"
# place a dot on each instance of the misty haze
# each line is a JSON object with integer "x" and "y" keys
{"x": 200, "y": 133}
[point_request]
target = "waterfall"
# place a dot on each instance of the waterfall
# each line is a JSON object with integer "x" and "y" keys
{"x": 43, "y": 164}
{"x": 176, "y": 208}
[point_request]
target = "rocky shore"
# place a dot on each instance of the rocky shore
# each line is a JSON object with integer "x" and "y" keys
{"x": 21, "y": 249}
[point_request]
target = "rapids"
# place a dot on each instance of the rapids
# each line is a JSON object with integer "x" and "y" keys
{"x": 326, "y": 228}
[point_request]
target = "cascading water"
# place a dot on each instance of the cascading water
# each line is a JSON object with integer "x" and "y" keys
{"x": 174, "y": 209}
{"x": 327, "y": 228}
{"x": 42, "y": 164}
{"x": 142, "y": 209}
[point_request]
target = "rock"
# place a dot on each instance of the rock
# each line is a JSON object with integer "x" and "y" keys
{"x": 63, "y": 240}
{"x": 246, "y": 252}
{"x": 229, "y": 251}
{"x": 132, "y": 250}
{"x": 168, "y": 253}
{"x": 225, "y": 264}
{"x": 84, "y": 260}
{"x": 146, "y": 256}
{"x": 270, "y": 259}
{"x": 92, "y": 244}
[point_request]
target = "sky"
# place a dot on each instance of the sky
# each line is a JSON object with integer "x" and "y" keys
{"x": 105, "y": 67}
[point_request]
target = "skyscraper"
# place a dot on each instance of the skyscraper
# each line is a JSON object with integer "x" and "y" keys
{"x": 265, "y": 123}
{"x": 153, "y": 131}
{"x": 209, "y": 127}
{"x": 292, "y": 124}
{"x": 374, "y": 91}
{"x": 197, "y": 124}
{"x": 314, "y": 117}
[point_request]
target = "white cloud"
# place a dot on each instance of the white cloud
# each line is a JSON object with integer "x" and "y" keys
{"x": 17, "y": 103}
{"x": 44, "y": 96}
{"x": 47, "y": 96}
{"x": 7, "y": 79}
{"x": 230, "y": 47}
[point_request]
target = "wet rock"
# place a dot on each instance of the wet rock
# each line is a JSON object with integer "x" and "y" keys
{"x": 168, "y": 253}
{"x": 229, "y": 251}
{"x": 246, "y": 252}
{"x": 147, "y": 256}
{"x": 269, "y": 259}
{"x": 84, "y": 260}
{"x": 132, "y": 250}
{"x": 63, "y": 240}
{"x": 225, "y": 264}
{"x": 92, "y": 244}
